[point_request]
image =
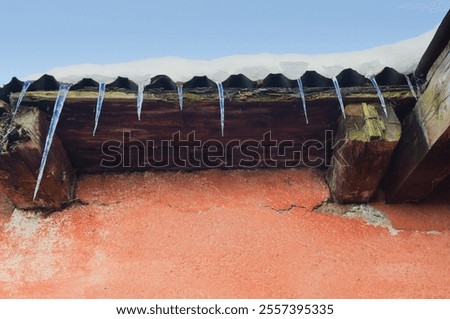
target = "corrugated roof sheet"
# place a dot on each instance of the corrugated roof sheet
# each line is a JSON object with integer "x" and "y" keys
{"x": 312, "y": 79}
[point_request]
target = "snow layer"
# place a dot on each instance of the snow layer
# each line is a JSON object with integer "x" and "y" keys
{"x": 402, "y": 56}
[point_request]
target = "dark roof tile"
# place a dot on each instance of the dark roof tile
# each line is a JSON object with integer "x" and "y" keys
{"x": 314, "y": 79}
{"x": 162, "y": 82}
{"x": 239, "y": 81}
{"x": 278, "y": 80}
{"x": 44, "y": 83}
{"x": 349, "y": 78}
{"x": 85, "y": 84}
{"x": 199, "y": 82}
{"x": 122, "y": 83}
{"x": 389, "y": 76}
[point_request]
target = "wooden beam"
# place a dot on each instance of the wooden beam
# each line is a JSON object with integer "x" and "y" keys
{"x": 20, "y": 160}
{"x": 364, "y": 144}
{"x": 249, "y": 114}
{"x": 422, "y": 159}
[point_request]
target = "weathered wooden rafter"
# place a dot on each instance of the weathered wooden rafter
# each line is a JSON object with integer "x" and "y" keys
{"x": 368, "y": 140}
{"x": 422, "y": 159}
{"x": 20, "y": 160}
{"x": 249, "y": 115}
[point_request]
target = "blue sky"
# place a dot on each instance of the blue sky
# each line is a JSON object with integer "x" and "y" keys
{"x": 39, "y": 35}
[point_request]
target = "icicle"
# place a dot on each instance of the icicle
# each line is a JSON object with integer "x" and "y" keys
{"x": 98, "y": 109}
{"x": 419, "y": 90}
{"x": 380, "y": 95}
{"x": 25, "y": 86}
{"x": 59, "y": 103}
{"x": 339, "y": 96}
{"x": 411, "y": 88}
{"x": 180, "y": 95}
{"x": 222, "y": 106}
{"x": 302, "y": 95}
{"x": 140, "y": 99}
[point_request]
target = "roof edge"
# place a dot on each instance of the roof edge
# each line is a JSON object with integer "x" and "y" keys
{"x": 435, "y": 48}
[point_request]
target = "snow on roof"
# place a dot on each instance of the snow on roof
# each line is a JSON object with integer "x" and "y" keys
{"x": 402, "y": 56}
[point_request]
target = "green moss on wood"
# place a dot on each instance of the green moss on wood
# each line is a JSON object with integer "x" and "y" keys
{"x": 364, "y": 123}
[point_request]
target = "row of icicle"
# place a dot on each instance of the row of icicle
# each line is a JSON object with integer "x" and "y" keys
{"x": 64, "y": 89}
